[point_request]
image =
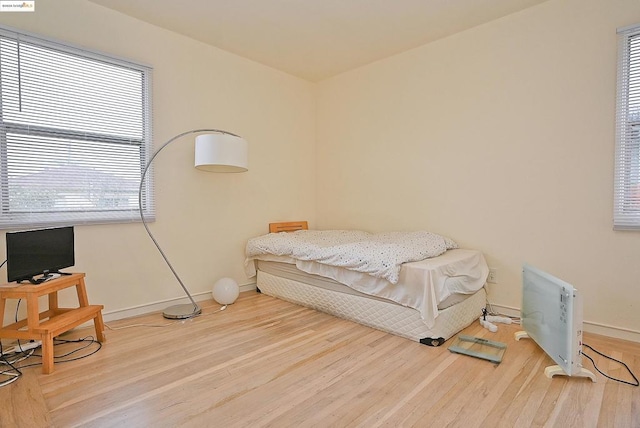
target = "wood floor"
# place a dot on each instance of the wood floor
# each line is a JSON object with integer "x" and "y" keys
{"x": 266, "y": 362}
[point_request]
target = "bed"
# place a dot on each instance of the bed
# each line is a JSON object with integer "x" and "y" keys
{"x": 425, "y": 289}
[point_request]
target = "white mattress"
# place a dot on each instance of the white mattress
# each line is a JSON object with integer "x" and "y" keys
{"x": 424, "y": 286}
{"x": 374, "y": 312}
{"x": 290, "y": 271}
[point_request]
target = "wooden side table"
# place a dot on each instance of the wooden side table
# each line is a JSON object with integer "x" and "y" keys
{"x": 54, "y": 321}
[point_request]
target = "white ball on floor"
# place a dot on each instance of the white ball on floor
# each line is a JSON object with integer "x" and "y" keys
{"x": 225, "y": 291}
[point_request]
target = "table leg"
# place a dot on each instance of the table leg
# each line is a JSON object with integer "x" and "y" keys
{"x": 83, "y": 300}
{"x": 53, "y": 301}
{"x": 47, "y": 353}
{"x": 33, "y": 312}
{"x": 3, "y": 302}
{"x": 99, "y": 325}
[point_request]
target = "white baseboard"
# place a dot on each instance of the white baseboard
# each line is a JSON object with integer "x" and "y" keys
{"x": 162, "y": 304}
{"x": 589, "y": 326}
{"x": 248, "y": 287}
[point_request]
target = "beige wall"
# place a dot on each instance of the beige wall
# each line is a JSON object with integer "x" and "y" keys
{"x": 501, "y": 137}
{"x": 203, "y": 220}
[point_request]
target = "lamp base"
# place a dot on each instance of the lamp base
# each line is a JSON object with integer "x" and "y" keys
{"x": 180, "y": 312}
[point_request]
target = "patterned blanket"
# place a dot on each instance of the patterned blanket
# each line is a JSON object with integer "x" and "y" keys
{"x": 380, "y": 255}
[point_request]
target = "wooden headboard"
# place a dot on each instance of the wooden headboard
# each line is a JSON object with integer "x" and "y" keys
{"x": 290, "y": 226}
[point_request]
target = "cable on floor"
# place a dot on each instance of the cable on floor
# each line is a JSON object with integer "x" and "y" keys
{"x": 612, "y": 359}
{"x": 13, "y": 373}
{"x": 491, "y": 311}
{"x": 168, "y": 323}
{"x": 90, "y": 340}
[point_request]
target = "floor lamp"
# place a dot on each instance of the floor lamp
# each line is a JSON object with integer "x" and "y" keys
{"x": 216, "y": 151}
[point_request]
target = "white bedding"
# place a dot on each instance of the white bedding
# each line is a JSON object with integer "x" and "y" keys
{"x": 380, "y": 255}
{"x": 422, "y": 285}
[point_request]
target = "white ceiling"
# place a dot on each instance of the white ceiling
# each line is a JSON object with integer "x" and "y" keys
{"x": 316, "y": 39}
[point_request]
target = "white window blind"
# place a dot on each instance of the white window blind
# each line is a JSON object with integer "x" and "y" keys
{"x": 627, "y": 160}
{"x": 75, "y": 129}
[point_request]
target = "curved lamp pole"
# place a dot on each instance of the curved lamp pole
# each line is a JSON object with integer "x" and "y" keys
{"x": 220, "y": 151}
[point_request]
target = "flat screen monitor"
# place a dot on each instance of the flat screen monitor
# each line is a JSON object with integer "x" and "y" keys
{"x": 39, "y": 252}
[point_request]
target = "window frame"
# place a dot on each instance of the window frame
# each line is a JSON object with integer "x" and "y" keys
{"x": 75, "y": 215}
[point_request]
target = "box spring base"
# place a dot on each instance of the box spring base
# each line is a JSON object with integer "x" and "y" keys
{"x": 382, "y": 315}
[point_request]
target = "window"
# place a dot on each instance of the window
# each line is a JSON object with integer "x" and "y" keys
{"x": 75, "y": 134}
{"x": 627, "y": 163}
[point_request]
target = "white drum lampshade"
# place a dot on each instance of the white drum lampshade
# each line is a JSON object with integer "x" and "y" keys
{"x": 225, "y": 291}
{"x": 221, "y": 153}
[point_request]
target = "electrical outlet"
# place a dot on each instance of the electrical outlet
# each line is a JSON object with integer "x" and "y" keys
{"x": 493, "y": 276}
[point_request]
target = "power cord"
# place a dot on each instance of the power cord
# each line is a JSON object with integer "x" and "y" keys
{"x": 17, "y": 357}
{"x": 90, "y": 341}
{"x": 142, "y": 325}
{"x": 168, "y": 323}
{"x": 516, "y": 320}
{"x": 612, "y": 359}
{"x": 16, "y": 320}
{"x": 490, "y": 311}
{"x": 14, "y": 372}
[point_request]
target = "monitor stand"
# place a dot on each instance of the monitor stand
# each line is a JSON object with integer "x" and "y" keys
{"x": 42, "y": 279}
{"x": 48, "y": 276}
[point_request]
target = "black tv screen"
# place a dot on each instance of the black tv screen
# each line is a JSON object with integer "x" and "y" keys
{"x": 37, "y": 252}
